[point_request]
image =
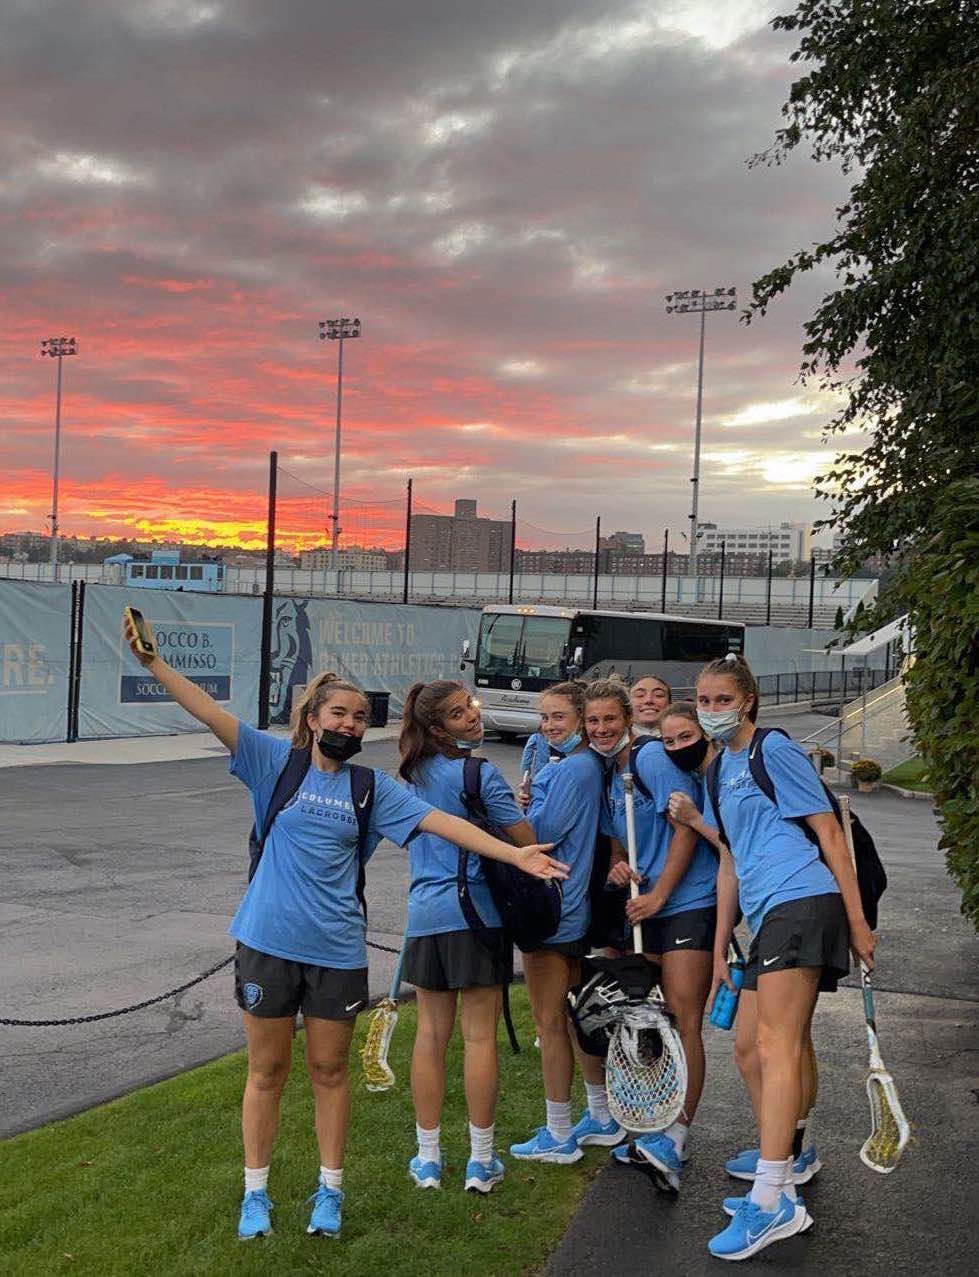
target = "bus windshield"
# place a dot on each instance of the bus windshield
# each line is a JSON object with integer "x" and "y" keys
{"x": 522, "y": 646}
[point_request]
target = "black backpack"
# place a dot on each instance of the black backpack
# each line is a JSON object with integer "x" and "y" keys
{"x": 529, "y": 908}
{"x": 871, "y": 877}
{"x": 287, "y": 786}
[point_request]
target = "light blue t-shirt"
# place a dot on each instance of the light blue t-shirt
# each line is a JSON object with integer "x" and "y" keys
{"x": 773, "y": 858}
{"x": 302, "y": 903}
{"x": 566, "y": 798}
{"x": 433, "y": 899}
{"x": 697, "y": 889}
{"x": 536, "y": 754}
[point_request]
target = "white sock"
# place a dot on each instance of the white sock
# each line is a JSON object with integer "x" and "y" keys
{"x": 678, "y": 1134}
{"x": 481, "y": 1143}
{"x": 331, "y": 1179}
{"x": 256, "y": 1179}
{"x": 559, "y": 1119}
{"x": 770, "y": 1181}
{"x": 428, "y": 1143}
{"x": 598, "y": 1102}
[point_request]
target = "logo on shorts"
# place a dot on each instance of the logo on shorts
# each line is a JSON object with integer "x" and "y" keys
{"x": 354, "y": 1004}
{"x": 768, "y": 961}
{"x": 685, "y": 940}
{"x": 253, "y": 994}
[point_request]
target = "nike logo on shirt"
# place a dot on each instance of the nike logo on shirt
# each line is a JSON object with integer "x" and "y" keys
{"x": 685, "y": 940}
{"x": 768, "y": 961}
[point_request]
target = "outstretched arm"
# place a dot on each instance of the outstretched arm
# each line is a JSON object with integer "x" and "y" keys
{"x": 188, "y": 695}
{"x": 532, "y": 859}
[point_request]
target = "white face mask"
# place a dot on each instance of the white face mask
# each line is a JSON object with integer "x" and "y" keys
{"x": 722, "y": 724}
{"x": 610, "y": 753}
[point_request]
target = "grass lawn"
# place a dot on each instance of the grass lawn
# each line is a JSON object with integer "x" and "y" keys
{"x": 909, "y": 775}
{"x": 151, "y": 1183}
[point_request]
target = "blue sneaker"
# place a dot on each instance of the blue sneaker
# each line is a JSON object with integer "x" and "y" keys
{"x": 733, "y": 1204}
{"x": 588, "y": 1130}
{"x": 543, "y": 1147}
{"x": 805, "y": 1167}
{"x": 659, "y": 1152}
{"x": 752, "y": 1229}
{"x": 254, "y": 1219}
{"x": 325, "y": 1219}
{"x": 425, "y": 1174}
{"x": 482, "y": 1177}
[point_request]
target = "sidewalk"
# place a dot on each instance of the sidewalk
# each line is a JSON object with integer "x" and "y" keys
{"x": 867, "y": 1225}
{"x": 142, "y": 749}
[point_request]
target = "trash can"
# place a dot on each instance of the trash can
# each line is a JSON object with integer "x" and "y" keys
{"x": 378, "y": 702}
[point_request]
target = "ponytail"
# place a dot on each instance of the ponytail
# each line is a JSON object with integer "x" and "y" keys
{"x": 419, "y": 717}
{"x": 319, "y": 692}
{"x": 736, "y": 667}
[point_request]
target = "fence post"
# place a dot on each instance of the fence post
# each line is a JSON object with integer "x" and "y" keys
{"x": 404, "y": 590}
{"x": 666, "y": 553}
{"x": 768, "y": 591}
{"x": 77, "y": 679}
{"x": 720, "y": 591}
{"x": 265, "y": 666}
{"x": 812, "y": 586}
{"x": 72, "y": 640}
{"x": 598, "y": 538}
{"x": 513, "y": 545}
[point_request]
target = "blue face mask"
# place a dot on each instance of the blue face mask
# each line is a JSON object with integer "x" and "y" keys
{"x": 568, "y": 745}
{"x": 722, "y": 724}
{"x": 467, "y": 745}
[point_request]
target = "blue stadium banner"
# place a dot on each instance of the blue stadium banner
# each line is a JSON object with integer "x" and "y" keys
{"x": 34, "y": 641}
{"x": 202, "y": 652}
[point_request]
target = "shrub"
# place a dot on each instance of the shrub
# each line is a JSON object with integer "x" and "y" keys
{"x": 866, "y": 769}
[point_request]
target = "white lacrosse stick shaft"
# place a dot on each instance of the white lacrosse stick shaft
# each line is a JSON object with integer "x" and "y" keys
{"x": 630, "y": 839}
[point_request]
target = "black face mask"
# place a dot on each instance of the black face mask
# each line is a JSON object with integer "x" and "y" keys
{"x": 337, "y": 745}
{"x": 689, "y": 757}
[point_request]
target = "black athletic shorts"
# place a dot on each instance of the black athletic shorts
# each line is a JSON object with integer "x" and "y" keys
{"x": 267, "y": 986}
{"x": 692, "y": 929}
{"x": 569, "y": 948}
{"x": 811, "y": 932}
{"x": 456, "y": 960}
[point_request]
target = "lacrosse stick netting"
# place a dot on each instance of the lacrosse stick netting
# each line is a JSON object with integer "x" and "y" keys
{"x": 378, "y": 1074}
{"x": 646, "y": 1070}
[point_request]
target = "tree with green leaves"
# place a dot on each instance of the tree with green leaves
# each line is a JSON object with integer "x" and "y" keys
{"x": 889, "y": 92}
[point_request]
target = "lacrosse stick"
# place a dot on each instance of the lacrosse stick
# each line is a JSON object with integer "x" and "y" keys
{"x": 646, "y": 1069}
{"x": 378, "y": 1074}
{"x": 889, "y": 1129}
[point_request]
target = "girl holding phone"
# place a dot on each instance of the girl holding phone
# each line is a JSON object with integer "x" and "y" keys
{"x": 299, "y": 927}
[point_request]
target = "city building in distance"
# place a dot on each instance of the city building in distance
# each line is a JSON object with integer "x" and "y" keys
{"x": 352, "y": 559}
{"x": 459, "y": 542}
{"x": 789, "y": 542}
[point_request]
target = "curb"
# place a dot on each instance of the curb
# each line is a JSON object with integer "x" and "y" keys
{"x": 907, "y": 793}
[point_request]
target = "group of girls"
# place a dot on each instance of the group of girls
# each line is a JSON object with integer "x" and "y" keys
{"x": 301, "y": 932}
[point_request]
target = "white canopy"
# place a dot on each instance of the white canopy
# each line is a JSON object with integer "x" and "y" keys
{"x": 899, "y": 629}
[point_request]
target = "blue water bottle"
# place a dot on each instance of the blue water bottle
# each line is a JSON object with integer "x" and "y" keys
{"x": 725, "y": 1006}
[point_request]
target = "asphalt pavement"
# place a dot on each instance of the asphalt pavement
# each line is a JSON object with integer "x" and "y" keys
{"x": 119, "y": 883}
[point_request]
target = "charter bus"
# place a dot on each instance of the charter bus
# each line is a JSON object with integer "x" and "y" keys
{"x": 521, "y": 651}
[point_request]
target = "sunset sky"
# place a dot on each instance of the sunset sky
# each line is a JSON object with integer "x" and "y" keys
{"x": 501, "y": 190}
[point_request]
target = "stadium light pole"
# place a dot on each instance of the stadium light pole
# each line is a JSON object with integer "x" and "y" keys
{"x": 698, "y": 301}
{"x": 337, "y": 330}
{"x": 57, "y": 348}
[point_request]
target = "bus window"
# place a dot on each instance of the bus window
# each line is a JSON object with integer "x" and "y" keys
{"x": 700, "y": 643}
{"x": 166, "y": 572}
{"x": 182, "y": 573}
{"x": 544, "y": 642}
{"x": 152, "y": 571}
{"x": 196, "y": 572}
{"x": 621, "y": 639}
{"x": 137, "y": 569}
{"x": 499, "y": 642}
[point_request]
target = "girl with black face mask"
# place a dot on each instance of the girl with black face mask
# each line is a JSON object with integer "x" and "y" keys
{"x": 299, "y": 927}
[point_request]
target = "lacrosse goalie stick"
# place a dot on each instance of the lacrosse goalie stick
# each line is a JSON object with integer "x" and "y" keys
{"x": 378, "y": 1074}
{"x": 889, "y": 1129}
{"x": 646, "y": 1069}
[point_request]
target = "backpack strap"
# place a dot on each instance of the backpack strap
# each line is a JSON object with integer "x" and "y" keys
{"x": 286, "y": 787}
{"x": 363, "y": 783}
{"x": 761, "y": 777}
{"x": 712, "y": 783}
{"x": 472, "y": 798}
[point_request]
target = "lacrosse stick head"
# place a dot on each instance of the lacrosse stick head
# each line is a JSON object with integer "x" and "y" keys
{"x": 646, "y": 1069}
{"x": 378, "y": 1074}
{"x": 635, "y": 975}
{"x": 889, "y": 1129}
{"x": 594, "y": 1007}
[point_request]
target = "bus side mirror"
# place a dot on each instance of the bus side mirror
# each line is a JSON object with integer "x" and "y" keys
{"x": 466, "y": 655}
